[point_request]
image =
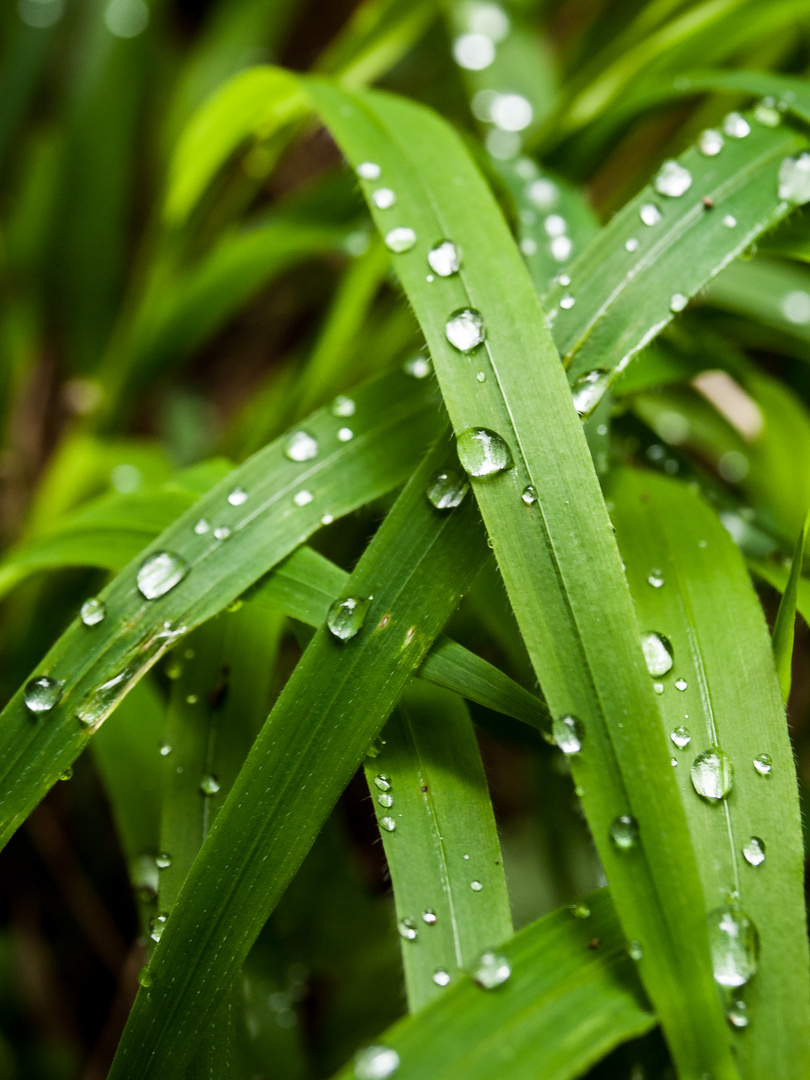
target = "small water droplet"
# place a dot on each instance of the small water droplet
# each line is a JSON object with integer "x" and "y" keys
{"x": 650, "y": 214}
{"x": 678, "y": 302}
{"x": 481, "y": 376}
{"x": 465, "y": 329}
{"x": 375, "y": 1063}
{"x": 712, "y": 775}
{"x": 157, "y": 926}
{"x": 238, "y": 497}
{"x": 429, "y": 916}
{"x": 476, "y": 886}
{"x": 624, "y": 832}
{"x": 754, "y": 851}
{"x": 388, "y": 823}
{"x": 763, "y": 763}
{"x": 383, "y": 198}
{"x": 567, "y": 302}
{"x": 655, "y": 578}
{"x": 447, "y": 489}
{"x": 42, "y": 693}
{"x": 568, "y": 733}
{"x": 736, "y": 126}
{"x": 67, "y": 774}
{"x": 767, "y": 114}
{"x": 794, "y": 179}
{"x": 386, "y": 800}
{"x": 673, "y": 762}
{"x": 418, "y": 367}
{"x": 441, "y": 977}
{"x": 407, "y": 931}
{"x": 483, "y": 452}
{"x": 561, "y": 248}
{"x": 634, "y": 950}
{"x": 588, "y": 390}
{"x": 368, "y": 170}
{"x": 343, "y": 406}
{"x": 631, "y": 245}
{"x": 491, "y": 970}
{"x": 400, "y": 240}
{"x": 737, "y": 1014}
{"x": 345, "y": 618}
{"x": 163, "y": 860}
{"x": 580, "y": 910}
{"x": 672, "y": 179}
{"x": 730, "y": 221}
{"x": 222, "y": 532}
{"x": 209, "y": 785}
{"x": 658, "y": 687}
{"x": 529, "y": 495}
{"x": 681, "y": 684}
{"x": 657, "y": 653}
{"x": 93, "y": 612}
{"x": 159, "y": 573}
{"x": 710, "y": 143}
{"x": 327, "y": 519}
{"x": 144, "y": 977}
{"x": 191, "y": 699}
{"x": 734, "y": 945}
{"x": 303, "y": 498}
{"x": 473, "y": 52}
{"x": 444, "y": 258}
{"x": 681, "y": 736}
{"x": 300, "y": 446}
{"x": 164, "y": 749}
{"x": 382, "y": 782}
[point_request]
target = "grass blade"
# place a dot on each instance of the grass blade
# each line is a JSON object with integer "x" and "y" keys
{"x": 786, "y": 616}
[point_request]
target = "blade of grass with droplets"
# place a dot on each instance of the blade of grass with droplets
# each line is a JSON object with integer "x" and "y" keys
{"x": 408, "y": 581}
{"x": 232, "y": 536}
{"x": 572, "y": 996}
{"x": 667, "y": 244}
{"x": 554, "y": 545}
{"x": 690, "y": 584}
{"x": 786, "y": 616}
{"x": 440, "y": 840}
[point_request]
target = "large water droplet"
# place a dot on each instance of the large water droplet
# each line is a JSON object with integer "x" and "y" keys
{"x": 382, "y": 782}
{"x": 568, "y": 733}
{"x": 736, "y": 126}
{"x": 491, "y": 969}
{"x": 650, "y": 214}
{"x": 383, "y": 198}
{"x": 93, "y": 612}
{"x": 163, "y": 860}
{"x": 710, "y": 143}
{"x": 447, "y": 489}
{"x": 385, "y": 799}
{"x": 157, "y": 926}
{"x": 209, "y": 785}
{"x": 42, "y": 693}
{"x": 159, "y": 573}
{"x": 345, "y": 618}
{"x": 429, "y": 916}
{"x": 754, "y": 851}
{"x": 712, "y": 775}
{"x": 483, "y": 452}
{"x": 368, "y": 170}
{"x": 238, "y": 497}
{"x": 476, "y": 886}
{"x": 734, "y": 946}
{"x": 529, "y": 495}
{"x": 588, "y": 391}
{"x": 400, "y": 240}
{"x": 672, "y": 179}
{"x": 407, "y": 930}
{"x": 763, "y": 763}
{"x": 441, "y": 976}
{"x": 681, "y": 736}
{"x": 375, "y": 1063}
{"x": 465, "y": 329}
{"x": 794, "y": 179}
{"x": 624, "y": 832}
{"x": 300, "y": 446}
{"x": 657, "y": 653}
{"x": 388, "y": 824}
{"x": 444, "y": 258}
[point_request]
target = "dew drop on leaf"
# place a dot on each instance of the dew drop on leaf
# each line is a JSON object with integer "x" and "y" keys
{"x": 712, "y": 775}
{"x": 222, "y": 532}
{"x": 303, "y": 498}
{"x": 476, "y": 886}
{"x": 529, "y": 495}
{"x": 345, "y": 618}
{"x": 567, "y": 302}
{"x": 631, "y": 244}
{"x": 730, "y": 221}
{"x": 163, "y": 860}
{"x": 368, "y": 170}
{"x": 568, "y": 733}
{"x": 300, "y": 446}
{"x": 441, "y": 976}
{"x": 383, "y": 198}
{"x": 624, "y": 832}
{"x": 159, "y": 573}
{"x": 418, "y": 367}
{"x": 491, "y": 970}
{"x": 144, "y": 977}
{"x": 681, "y": 684}
{"x": 201, "y": 527}
{"x": 447, "y": 489}
{"x": 157, "y": 925}
{"x": 483, "y": 452}
{"x": 763, "y": 763}
{"x": 767, "y": 114}
{"x": 343, "y": 406}
{"x": 754, "y": 851}
{"x": 388, "y": 824}
{"x": 681, "y": 736}
{"x": 580, "y": 910}
{"x": 657, "y": 653}
{"x": 400, "y": 240}
{"x": 238, "y": 497}
{"x": 444, "y": 258}
{"x": 209, "y": 785}
{"x": 375, "y": 1062}
{"x": 429, "y": 916}
{"x": 678, "y": 302}
{"x": 655, "y": 578}
{"x": 734, "y": 946}
{"x": 672, "y": 179}
{"x": 650, "y": 214}
{"x": 710, "y": 142}
{"x": 41, "y": 694}
{"x": 588, "y": 390}
{"x": 407, "y": 930}
{"x": 794, "y": 179}
{"x": 634, "y": 950}
{"x": 736, "y": 126}
{"x": 93, "y": 612}
{"x": 382, "y": 782}
{"x": 737, "y": 1015}
{"x": 465, "y": 329}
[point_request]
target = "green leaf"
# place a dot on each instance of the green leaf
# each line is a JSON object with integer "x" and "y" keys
{"x": 571, "y": 998}
{"x": 443, "y": 852}
{"x": 412, "y": 576}
{"x": 786, "y": 616}
{"x": 723, "y": 688}
{"x": 570, "y": 598}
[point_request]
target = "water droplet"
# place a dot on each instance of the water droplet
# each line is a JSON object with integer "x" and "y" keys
{"x": 681, "y": 684}
{"x": 528, "y": 246}
{"x": 382, "y": 782}
{"x": 386, "y": 800}
{"x": 429, "y": 916}
{"x": 657, "y": 653}
{"x": 418, "y": 367}
{"x": 561, "y": 248}
{"x": 157, "y": 926}
{"x": 567, "y": 302}
{"x": 159, "y": 573}
{"x": 580, "y": 910}
{"x": 542, "y": 193}
{"x": 447, "y": 489}
{"x": 300, "y": 446}
{"x": 441, "y": 977}
{"x": 634, "y": 950}
{"x": 710, "y": 143}
{"x": 476, "y": 886}
{"x": 491, "y": 969}
{"x": 763, "y": 763}
{"x": 345, "y": 618}
{"x": 164, "y": 749}
{"x": 588, "y": 390}
{"x": 672, "y": 179}
{"x": 327, "y": 519}
{"x": 400, "y": 240}
{"x": 481, "y": 376}
{"x": 624, "y": 832}
{"x": 754, "y": 851}
{"x": 734, "y": 946}
{"x": 42, "y": 693}
{"x": 730, "y": 221}
{"x": 303, "y": 498}
{"x": 767, "y": 114}
{"x": 794, "y": 179}
{"x": 444, "y": 258}
{"x": 388, "y": 823}
{"x": 343, "y": 406}
{"x": 383, "y": 198}
{"x": 375, "y": 1063}
{"x": 222, "y": 532}
{"x": 650, "y": 214}
{"x": 568, "y": 733}
{"x": 736, "y": 126}
{"x": 712, "y": 775}
{"x": 407, "y": 930}
{"x": 529, "y": 495}
{"x": 465, "y": 329}
{"x": 678, "y": 302}
{"x": 737, "y": 1014}
{"x": 93, "y": 612}
{"x": 681, "y": 736}
{"x": 144, "y": 976}
{"x": 483, "y": 452}
{"x": 555, "y": 225}
{"x": 658, "y": 687}
{"x": 67, "y": 774}
{"x": 238, "y": 497}
{"x": 473, "y": 52}
{"x": 209, "y": 785}
{"x": 368, "y": 170}
{"x": 163, "y": 861}
{"x": 673, "y": 762}
{"x": 655, "y": 578}
{"x": 631, "y": 244}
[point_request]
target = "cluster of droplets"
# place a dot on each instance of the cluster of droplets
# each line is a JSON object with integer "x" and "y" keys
{"x": 385, "y": 799}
